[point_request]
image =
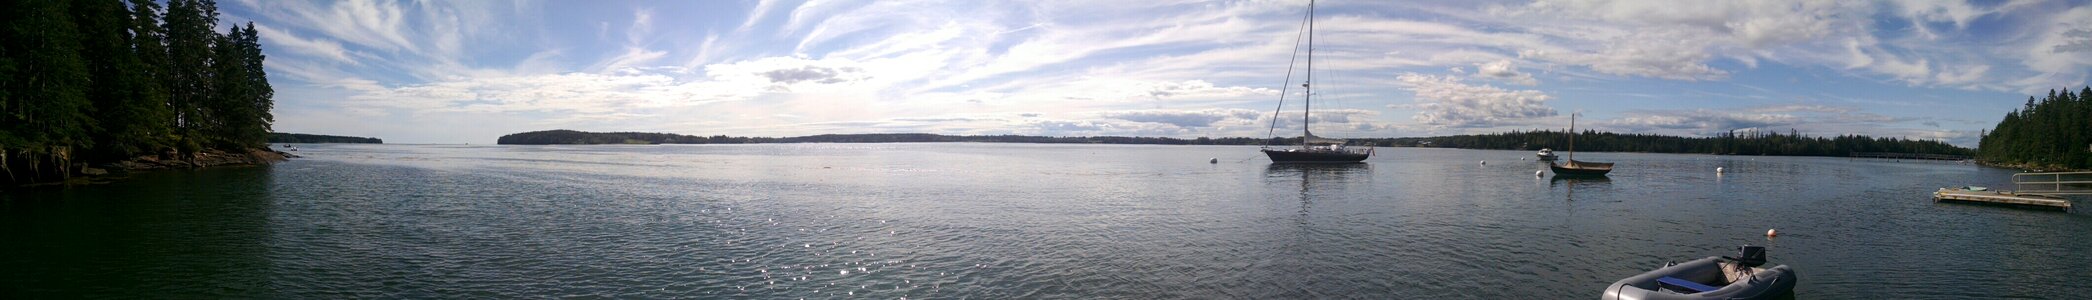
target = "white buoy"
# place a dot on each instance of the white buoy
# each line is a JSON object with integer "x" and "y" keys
{"x": 1485, "y": 163}
{"x": 1772, "y": 232}
{"x": 1538, "y": 173}
{"x": 1717, "y": 169}
{"x": 1213, "y": 161}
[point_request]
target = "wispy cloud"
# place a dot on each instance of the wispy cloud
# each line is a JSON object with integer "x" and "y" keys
{"x": 1152, "y": 67}
{"x": 1445, "y": 101}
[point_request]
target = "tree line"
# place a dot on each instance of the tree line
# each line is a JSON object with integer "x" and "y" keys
{"x": 1793, "y": 143}
{"x": 571, "y": 137}
{"x": 104, "y": 80}
{"x": 300, "y": 138}
{"x": 2053, "y": 132}
{"x": 1750, "y": 143}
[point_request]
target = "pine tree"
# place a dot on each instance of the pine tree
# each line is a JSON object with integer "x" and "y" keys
{"x": 2053, "y": 132}
{"x": 45, "y": 107}
{"x": 189, "y": 74}
{"x": 262, "y": 100}
{"x": 148, "y": 46}
{"x": 126, "y": 122}
{"x": 230, "y": 105}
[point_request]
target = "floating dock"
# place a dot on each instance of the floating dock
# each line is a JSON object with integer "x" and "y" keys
{"x": 2000, "y": 197}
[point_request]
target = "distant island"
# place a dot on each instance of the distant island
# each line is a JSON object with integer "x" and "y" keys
{"x": 1792, "y": 144}
{"x": 300, "y": 138}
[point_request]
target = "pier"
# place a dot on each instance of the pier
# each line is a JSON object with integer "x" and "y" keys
{"x": 2036, "y": 190}
{"x": 2002, "y": 198}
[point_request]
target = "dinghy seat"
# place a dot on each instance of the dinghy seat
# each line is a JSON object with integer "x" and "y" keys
{"x": 1686, "y": 285}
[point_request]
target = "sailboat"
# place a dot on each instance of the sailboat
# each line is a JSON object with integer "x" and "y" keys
{"x": 1313, "y": 149}
{"x": 1578, "y": 168}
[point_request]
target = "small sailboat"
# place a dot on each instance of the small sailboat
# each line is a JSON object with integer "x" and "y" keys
{"x": 1313, "y": 149}
{"x": 1714, "y": 277}
{"x": 1578, "y": 168}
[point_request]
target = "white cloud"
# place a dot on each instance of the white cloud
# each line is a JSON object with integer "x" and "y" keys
{"x": 1446, "y": 102}
{"x": 1504, "y": 71}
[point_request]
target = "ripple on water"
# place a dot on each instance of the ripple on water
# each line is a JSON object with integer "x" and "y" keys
{"x": 1014, "y": 221}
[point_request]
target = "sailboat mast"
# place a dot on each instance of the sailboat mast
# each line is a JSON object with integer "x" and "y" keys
{"x": 1308, "y": 105}
{"x": 1572, "y": 138}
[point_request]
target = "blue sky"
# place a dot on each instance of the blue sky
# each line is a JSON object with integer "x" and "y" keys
{"x": 470, "y": 71}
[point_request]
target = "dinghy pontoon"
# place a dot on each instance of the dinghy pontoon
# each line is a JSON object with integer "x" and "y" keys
{"x": 1716, "y": 277}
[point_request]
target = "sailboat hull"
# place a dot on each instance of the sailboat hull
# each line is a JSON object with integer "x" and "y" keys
{"x": 1581, "y": 169}
{"x": 1300, "y": 156}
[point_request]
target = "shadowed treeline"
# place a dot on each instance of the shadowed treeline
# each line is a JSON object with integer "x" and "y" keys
{"x": 104, "y": 80}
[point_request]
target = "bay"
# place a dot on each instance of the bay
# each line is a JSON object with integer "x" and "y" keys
{"x": 961, "y": 220}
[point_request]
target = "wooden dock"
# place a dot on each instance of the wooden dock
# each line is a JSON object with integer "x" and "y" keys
{"x": 2001, "y": 197}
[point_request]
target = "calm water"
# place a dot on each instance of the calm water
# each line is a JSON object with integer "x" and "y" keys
{"x": 1012, "y": 221}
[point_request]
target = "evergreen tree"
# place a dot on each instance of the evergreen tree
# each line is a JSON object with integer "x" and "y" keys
{"x": 125, "y": 122}
{"x": 2049, "y": 133}
{"x": 148, "y": 46}
{"x": 44, "y": 111}
{"x": 230, "y": 105}
{"x": 189, "y": 73}
{"x": 263, "y": 97}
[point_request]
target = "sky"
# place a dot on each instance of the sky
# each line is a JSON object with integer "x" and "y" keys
{"x": 471, "y": 71}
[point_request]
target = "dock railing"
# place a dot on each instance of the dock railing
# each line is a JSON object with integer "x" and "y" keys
{"x": 2054, "y": 183}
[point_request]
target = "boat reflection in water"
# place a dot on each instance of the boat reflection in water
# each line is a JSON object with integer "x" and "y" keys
{"x": 1309, "y": 172}
{"x": 1294, "y": 249}
{"x": 1316, "y": 179}
{"x": 1574, "y": 183}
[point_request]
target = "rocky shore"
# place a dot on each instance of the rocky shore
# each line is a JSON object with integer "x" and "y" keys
{"x": 104, "y": 172}
{"x": 2028, "y": 166}
{"x": 205, "y": 159}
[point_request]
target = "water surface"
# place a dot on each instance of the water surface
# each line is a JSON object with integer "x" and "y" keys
{"x": 1012, "y": 221}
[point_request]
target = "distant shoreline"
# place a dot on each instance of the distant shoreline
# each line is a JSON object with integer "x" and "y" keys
{"x": 301, "y": 138}
{"x": 1759, "y": 145}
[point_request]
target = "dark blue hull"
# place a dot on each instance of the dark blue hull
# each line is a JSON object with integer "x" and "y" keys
{"x": 1297, "y": 156}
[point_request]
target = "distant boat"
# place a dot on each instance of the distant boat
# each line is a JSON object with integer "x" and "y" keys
{"x": 1313, "y": 149}
{"x": 1546, "y": 154}
{"x": 1578, "y": 168}
{"x": 1714, "y": 277}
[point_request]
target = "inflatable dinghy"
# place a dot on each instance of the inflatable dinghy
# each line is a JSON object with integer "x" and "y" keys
{"x": 1715, "y": 277}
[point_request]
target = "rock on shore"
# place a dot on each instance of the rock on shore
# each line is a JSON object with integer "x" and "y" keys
{"x": 205, "y": 159}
